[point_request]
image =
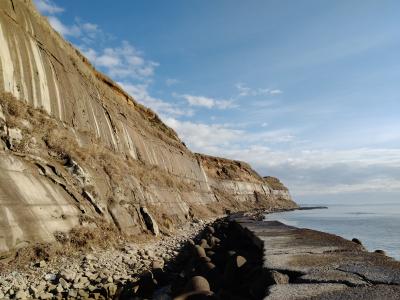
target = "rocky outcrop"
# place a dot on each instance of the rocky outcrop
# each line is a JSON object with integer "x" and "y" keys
{"x": 76, "y": 150}
{"x": 235, "y": 181}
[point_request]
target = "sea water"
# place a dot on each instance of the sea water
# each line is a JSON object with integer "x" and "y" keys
{"x": 377, "y": 226}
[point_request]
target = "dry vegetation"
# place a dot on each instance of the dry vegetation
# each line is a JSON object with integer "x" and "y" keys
{"x": 275, "y": 183}
{"x": 62, "y": 145}
{"x": 222, "y": 168}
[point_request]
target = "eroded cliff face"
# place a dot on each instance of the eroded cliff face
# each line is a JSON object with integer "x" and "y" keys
{"x": 76, "y": 150}
{"x": 236, "y": 182}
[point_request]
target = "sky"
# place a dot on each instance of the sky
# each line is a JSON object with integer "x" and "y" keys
{"x": 307, "y": 91}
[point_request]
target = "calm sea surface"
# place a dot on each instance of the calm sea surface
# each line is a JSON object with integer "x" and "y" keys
{"x": 378, "y": 227}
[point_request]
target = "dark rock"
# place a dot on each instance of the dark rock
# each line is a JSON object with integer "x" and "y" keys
{"x": 199, "y": 295}
{"x": 147, "y": 285}
{"x": 210, "y": 229}
{"x": 199, "y": 251}
{"x": 357, "y": 241}
{"x": 197, "y": 283}
{"x": 204, "y": 244}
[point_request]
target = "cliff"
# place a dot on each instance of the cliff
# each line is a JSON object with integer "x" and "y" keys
{"x": 76, "y": 150}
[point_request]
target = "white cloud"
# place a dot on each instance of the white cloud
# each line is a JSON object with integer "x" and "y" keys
{"x": 141, "y": 94}
{"x": 122, "y": 62}
{"x": 87, "y": 33}
{"x": 275, "y": 92}
{"x": 48, "y": 7}
{"x": 207, "y": 102}
{"x": 171, "y": 81}
{"x": 206, "y": 138}
{"x": 220, "y": 139}
{"x": 306, "y": 172}
{"x": 322, "y": 172}
{"x": 245, "y": 91}
{"x": 63, "y": 29}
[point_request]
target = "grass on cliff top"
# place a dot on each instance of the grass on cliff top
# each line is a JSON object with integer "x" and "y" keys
{"x": 275, "y": 183}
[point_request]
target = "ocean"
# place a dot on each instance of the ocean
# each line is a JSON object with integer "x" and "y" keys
{"x": 377, "y": 226}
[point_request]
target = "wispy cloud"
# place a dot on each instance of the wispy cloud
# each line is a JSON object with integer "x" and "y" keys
{"x": 207, "y": 102}
{"x": 206, "y": 138}
{"x": 48, "y": 7}
{"x": 171, "y": 81}
{"x": 123, "y": 62}
{"x": 245, "y": 91}
{"x": 218, "y": 138}
{"x": 140, "y": 92}
{"x": 63, "y": 29}
{"x": 306, "y": 170}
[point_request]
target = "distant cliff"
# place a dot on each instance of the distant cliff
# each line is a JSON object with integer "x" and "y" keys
{"x": 76, "y": 150}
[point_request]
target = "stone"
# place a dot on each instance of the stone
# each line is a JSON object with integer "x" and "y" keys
{"x": 197, "y": 283}
{"x": 83, "y": 280}
{"x": 51, "y": 287}
{"x": 198, "y": 295}
{"x": 21, "y": 295}
{"x": 210, "y": 229}
{"x": 157, "y": 264}
{"x": 42, "y": 264}
{"x": 50, "y": 277}
{"x": 91, "y": 288}
{"x": 383, "y": 252}
{"x": 199, "y": 251}
{"x": 46, "y": 296}
{"x": 240, "y": 261}
{"x": 83, "y": 294}
{"x": 278, "y": 278}
{"x": 111, "y": 289}
{"x": 90, "y": 257}
{"x": 204, "y": 244}
{"x": 63, "y": 283}
{"x": 72, "y": 294}
{"x": 59, "y": 288}
{"x": 357, "y": 241}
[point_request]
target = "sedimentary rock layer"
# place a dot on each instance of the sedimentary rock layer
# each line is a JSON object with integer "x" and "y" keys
{"x": 77, "y": 150}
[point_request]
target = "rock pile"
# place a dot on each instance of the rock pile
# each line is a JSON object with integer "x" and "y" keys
{"x": 101, "y": 274}
{"x": 221, "y": 263}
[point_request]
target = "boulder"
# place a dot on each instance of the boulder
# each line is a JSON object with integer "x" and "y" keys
{"x": 383, "y": 252}
{"x": 204, "y": 244}
{"x": 196, "y": 284}
{"x": 199, "y": 251}
{"x": 197, "y": 295}
{"x": 357, "y": 241}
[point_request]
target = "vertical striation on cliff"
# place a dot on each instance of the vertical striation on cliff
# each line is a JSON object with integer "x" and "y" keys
{"x": 76, "y": 149}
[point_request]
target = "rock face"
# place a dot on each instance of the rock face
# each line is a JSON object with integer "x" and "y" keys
{"x": 76, "y": 150}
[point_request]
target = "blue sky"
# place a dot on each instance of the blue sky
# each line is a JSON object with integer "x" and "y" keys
{"x": 307, "y": 91}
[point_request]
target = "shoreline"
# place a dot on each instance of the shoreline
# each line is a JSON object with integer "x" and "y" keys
{"x": 224, "y": 252}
